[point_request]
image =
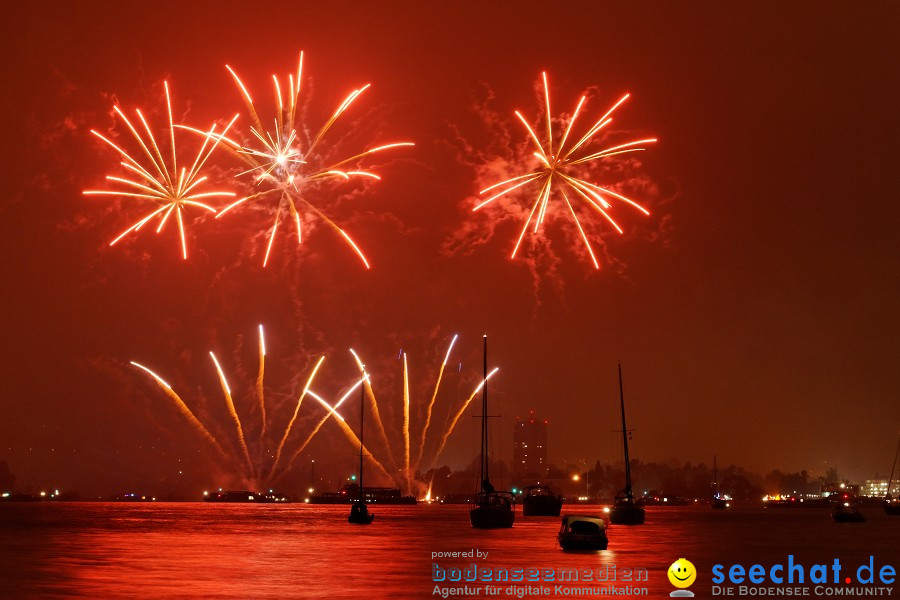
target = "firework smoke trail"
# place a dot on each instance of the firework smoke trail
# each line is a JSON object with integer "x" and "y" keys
{"x": 183, "y": 408}
{"x": 226, "y": 391}
{"x": 260, "y": 387}
{"x": 279, "y": 159}
{"x": 159, "y": 181}
{"x": 315, "y": 430}
{"x": 453, "y": 422}
{"x": 558, "y": 171}
{"x": 290, "y": 425}
{"x": 430, "y": 406}
{"x": 406, "y": 422}
{"x": 354, "y": 439}
{"x": 376, "y": 414}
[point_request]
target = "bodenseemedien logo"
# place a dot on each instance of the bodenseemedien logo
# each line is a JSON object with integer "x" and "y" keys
{"x": 682, "y": 574}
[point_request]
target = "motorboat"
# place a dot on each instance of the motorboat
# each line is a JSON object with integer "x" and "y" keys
{"x": 845, "y": 512}
{"x": 581, "y": 532}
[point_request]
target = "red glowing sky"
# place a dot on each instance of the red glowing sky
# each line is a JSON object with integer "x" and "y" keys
{"x": 755, "y": 312}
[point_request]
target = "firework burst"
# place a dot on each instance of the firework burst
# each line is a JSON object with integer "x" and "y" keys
{"x": 284, "y": 162}
{"x": 413, "y": 446}
{"x": 562, "y": 173}
{"x": 159, "y": 181}
{"x": 268, "y": 461}
{"x": 252, "y": 460}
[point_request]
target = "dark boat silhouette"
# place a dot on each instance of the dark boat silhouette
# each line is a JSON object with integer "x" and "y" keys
{"x": 539, "y": 501}
{"x": 492, "y": 509}
{"x": 846, "y": 512}
{"x": 359, "y": 512}
{"x": 625, "y": 510}
{"x": 718, "y": 502}
{"x": 582, "y": 532}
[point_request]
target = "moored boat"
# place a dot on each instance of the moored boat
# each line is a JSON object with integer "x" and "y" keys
{"x": 626, "y": 510}
{"x": 539, "y": 501}
{"x": 359, "y": 511}
{"x": 493, "y": 509}
{"x": 582, "y": 532}
{"x": 845, "y": 512}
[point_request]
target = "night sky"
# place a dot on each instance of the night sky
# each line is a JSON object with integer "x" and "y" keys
{"x": 754, "y": 311}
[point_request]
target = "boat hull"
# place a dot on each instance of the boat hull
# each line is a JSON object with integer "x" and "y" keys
{"x": 847, "y": 516}
{"x": 626, "y": 515}
{"x": 355, "y": 520}
{"x": 581, "y": 543}
{"x": 543, "y": 506}
{"x": 491, "y": 517}
{"x": 359, "y": 515}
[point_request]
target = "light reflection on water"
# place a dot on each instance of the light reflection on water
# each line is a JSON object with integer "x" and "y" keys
{"x": 101, "y": 550}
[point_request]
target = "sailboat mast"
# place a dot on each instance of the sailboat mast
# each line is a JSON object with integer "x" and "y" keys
{"x": 362, "y": 404}
{"x": 887, "y": 494}
{"x": 485, "y": 467}
{"x": 715, "y": 477}
{"x": 628, "y": 491}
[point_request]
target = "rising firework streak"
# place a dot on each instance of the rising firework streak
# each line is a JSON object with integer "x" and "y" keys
{"x": 250, "y": 465}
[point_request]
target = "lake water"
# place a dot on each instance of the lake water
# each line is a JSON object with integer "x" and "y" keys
{"x": 193, "y": 550}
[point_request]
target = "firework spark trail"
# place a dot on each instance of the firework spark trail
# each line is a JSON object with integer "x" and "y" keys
{"x": 279, "y": 159}
{"x": 290, "y": 425}
{"x": 260, "y": 387}
{"x": 430, "y": 406}
{"x": 274, "y": 474}
{"x": 406, "y": 422}
{"x": 558, "y": 172}
{"x": 354, "y": 439}
{"x": 183, "y": 408}
{"x": 376, "y": 414}
{"x": 226, "y": 391}
{"x": 170, "y": 189}
{"x": 453, "y": 422}
{"x": 315, "y": 430}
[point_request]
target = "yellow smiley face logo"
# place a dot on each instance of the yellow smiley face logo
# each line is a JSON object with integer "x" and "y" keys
{"x": 682, "y": 573}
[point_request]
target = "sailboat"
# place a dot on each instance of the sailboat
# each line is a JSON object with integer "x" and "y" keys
{"x": 625, "y": 511}
{"x": 359, "y": 512}
{"x": 493, "y": 509}
{"x": 892, "y": 505}
{"x": 717, "y": 501}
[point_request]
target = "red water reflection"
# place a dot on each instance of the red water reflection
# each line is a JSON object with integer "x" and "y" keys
{"x": 100, "y": 550}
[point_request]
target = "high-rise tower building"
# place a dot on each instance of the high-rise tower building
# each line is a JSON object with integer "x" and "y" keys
{"x": 530, "y": 446}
